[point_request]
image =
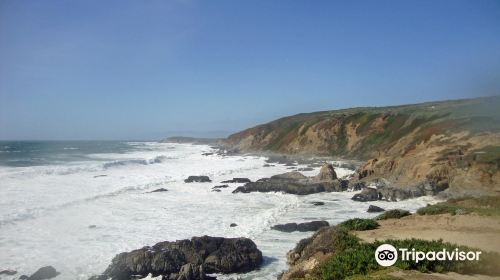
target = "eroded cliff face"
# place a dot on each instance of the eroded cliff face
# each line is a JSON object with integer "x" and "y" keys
{"x": 452, "y": 144}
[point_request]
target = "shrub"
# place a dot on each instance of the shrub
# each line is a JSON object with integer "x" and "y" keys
{"x": 359, "y": 224}
{"x": 441, "y": 208}
{"x": 393, "y": 214}
{"x": 488, "y": 206}
{"x": 360, "y": 260}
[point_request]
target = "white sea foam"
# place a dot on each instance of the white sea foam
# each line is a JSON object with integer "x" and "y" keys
{"x": 45, "y": 211}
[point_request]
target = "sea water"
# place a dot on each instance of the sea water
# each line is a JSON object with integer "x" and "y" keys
{"x": 75, "y": 205}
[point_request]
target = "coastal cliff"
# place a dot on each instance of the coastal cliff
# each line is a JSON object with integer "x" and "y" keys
{"x": 452, "y": 145}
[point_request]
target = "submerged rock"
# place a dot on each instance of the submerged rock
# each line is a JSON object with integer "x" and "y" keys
{"x": 201, "y": 255}
{"x": 159, "y": 190}
{"x": 199, "y": 179}
{"x": 221, "y": 187}
{"x": 46, "y": 272}
{"x": 317, "y": 203}
{"x": 308, "y": 226}
{"x": 8, "y": 272}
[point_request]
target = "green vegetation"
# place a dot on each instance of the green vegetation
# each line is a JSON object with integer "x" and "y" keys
{"x": 488, "y": 155}
{"x": 358, "y": 261}
{"x": 359, "y": 224}
{"x": 487, "y": 206}
{"x": 393, "y": 214}
{"x": 442, "y": 208}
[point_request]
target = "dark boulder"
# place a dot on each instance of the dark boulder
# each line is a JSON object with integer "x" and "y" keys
{"x": 204, "y": 254}
{"x": 374, "y": 209}
{"x": 237, "y": 180}
{"x": 303, "y": 227}
{"x": 367, "y": 194}
{"x": 46, "y": 272}
{"x": 221, "y": 187}
{"x": 317, "y": 203}
{"x": 159, "y": 190}
{"x": 198, "y": 179}
{"x": 288, "y": 227}
{"x": 312, "y": 226}
{"x": 233, "y": 225}
{"x": 344, "y": 184}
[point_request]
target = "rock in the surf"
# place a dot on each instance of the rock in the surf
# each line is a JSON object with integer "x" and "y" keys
{"x": 308, "y": 226}
{"x": 46, "y": 272}
{"x": 213, "y": 254}
{"x": 198, "y": 179}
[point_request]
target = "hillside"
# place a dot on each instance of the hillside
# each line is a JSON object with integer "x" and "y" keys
{"x": 445, "y": 144}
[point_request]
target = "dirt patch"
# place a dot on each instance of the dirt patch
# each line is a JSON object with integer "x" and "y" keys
{"x": 480, "y": 232}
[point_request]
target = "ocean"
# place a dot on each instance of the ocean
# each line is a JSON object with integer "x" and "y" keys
{"x": 74, "y": 205}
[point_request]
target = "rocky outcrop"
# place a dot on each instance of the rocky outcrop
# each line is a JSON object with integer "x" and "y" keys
{"x": 367, "y": 194}
{"x": 326, "y": 173}
{"x": 303, "y": 227}
{"x": 384, "y": 190}
{"x": 199, "y": 179}
{"x": 310, "y": 252}
{"x": 46, "y": 272}
{"x": 290, "y": 187}
{"x": 183, "y": 258}
{"x": 452, "y": 145}
{"x": 296, "y": 183}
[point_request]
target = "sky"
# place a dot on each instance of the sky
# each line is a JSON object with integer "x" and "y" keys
{"x": 92, "y": 69}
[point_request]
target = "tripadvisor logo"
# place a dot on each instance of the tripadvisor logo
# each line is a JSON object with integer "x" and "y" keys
{"x": 387, "y": 255}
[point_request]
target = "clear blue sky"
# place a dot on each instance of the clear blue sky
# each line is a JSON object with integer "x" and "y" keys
{"x": 94, "y": 69}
